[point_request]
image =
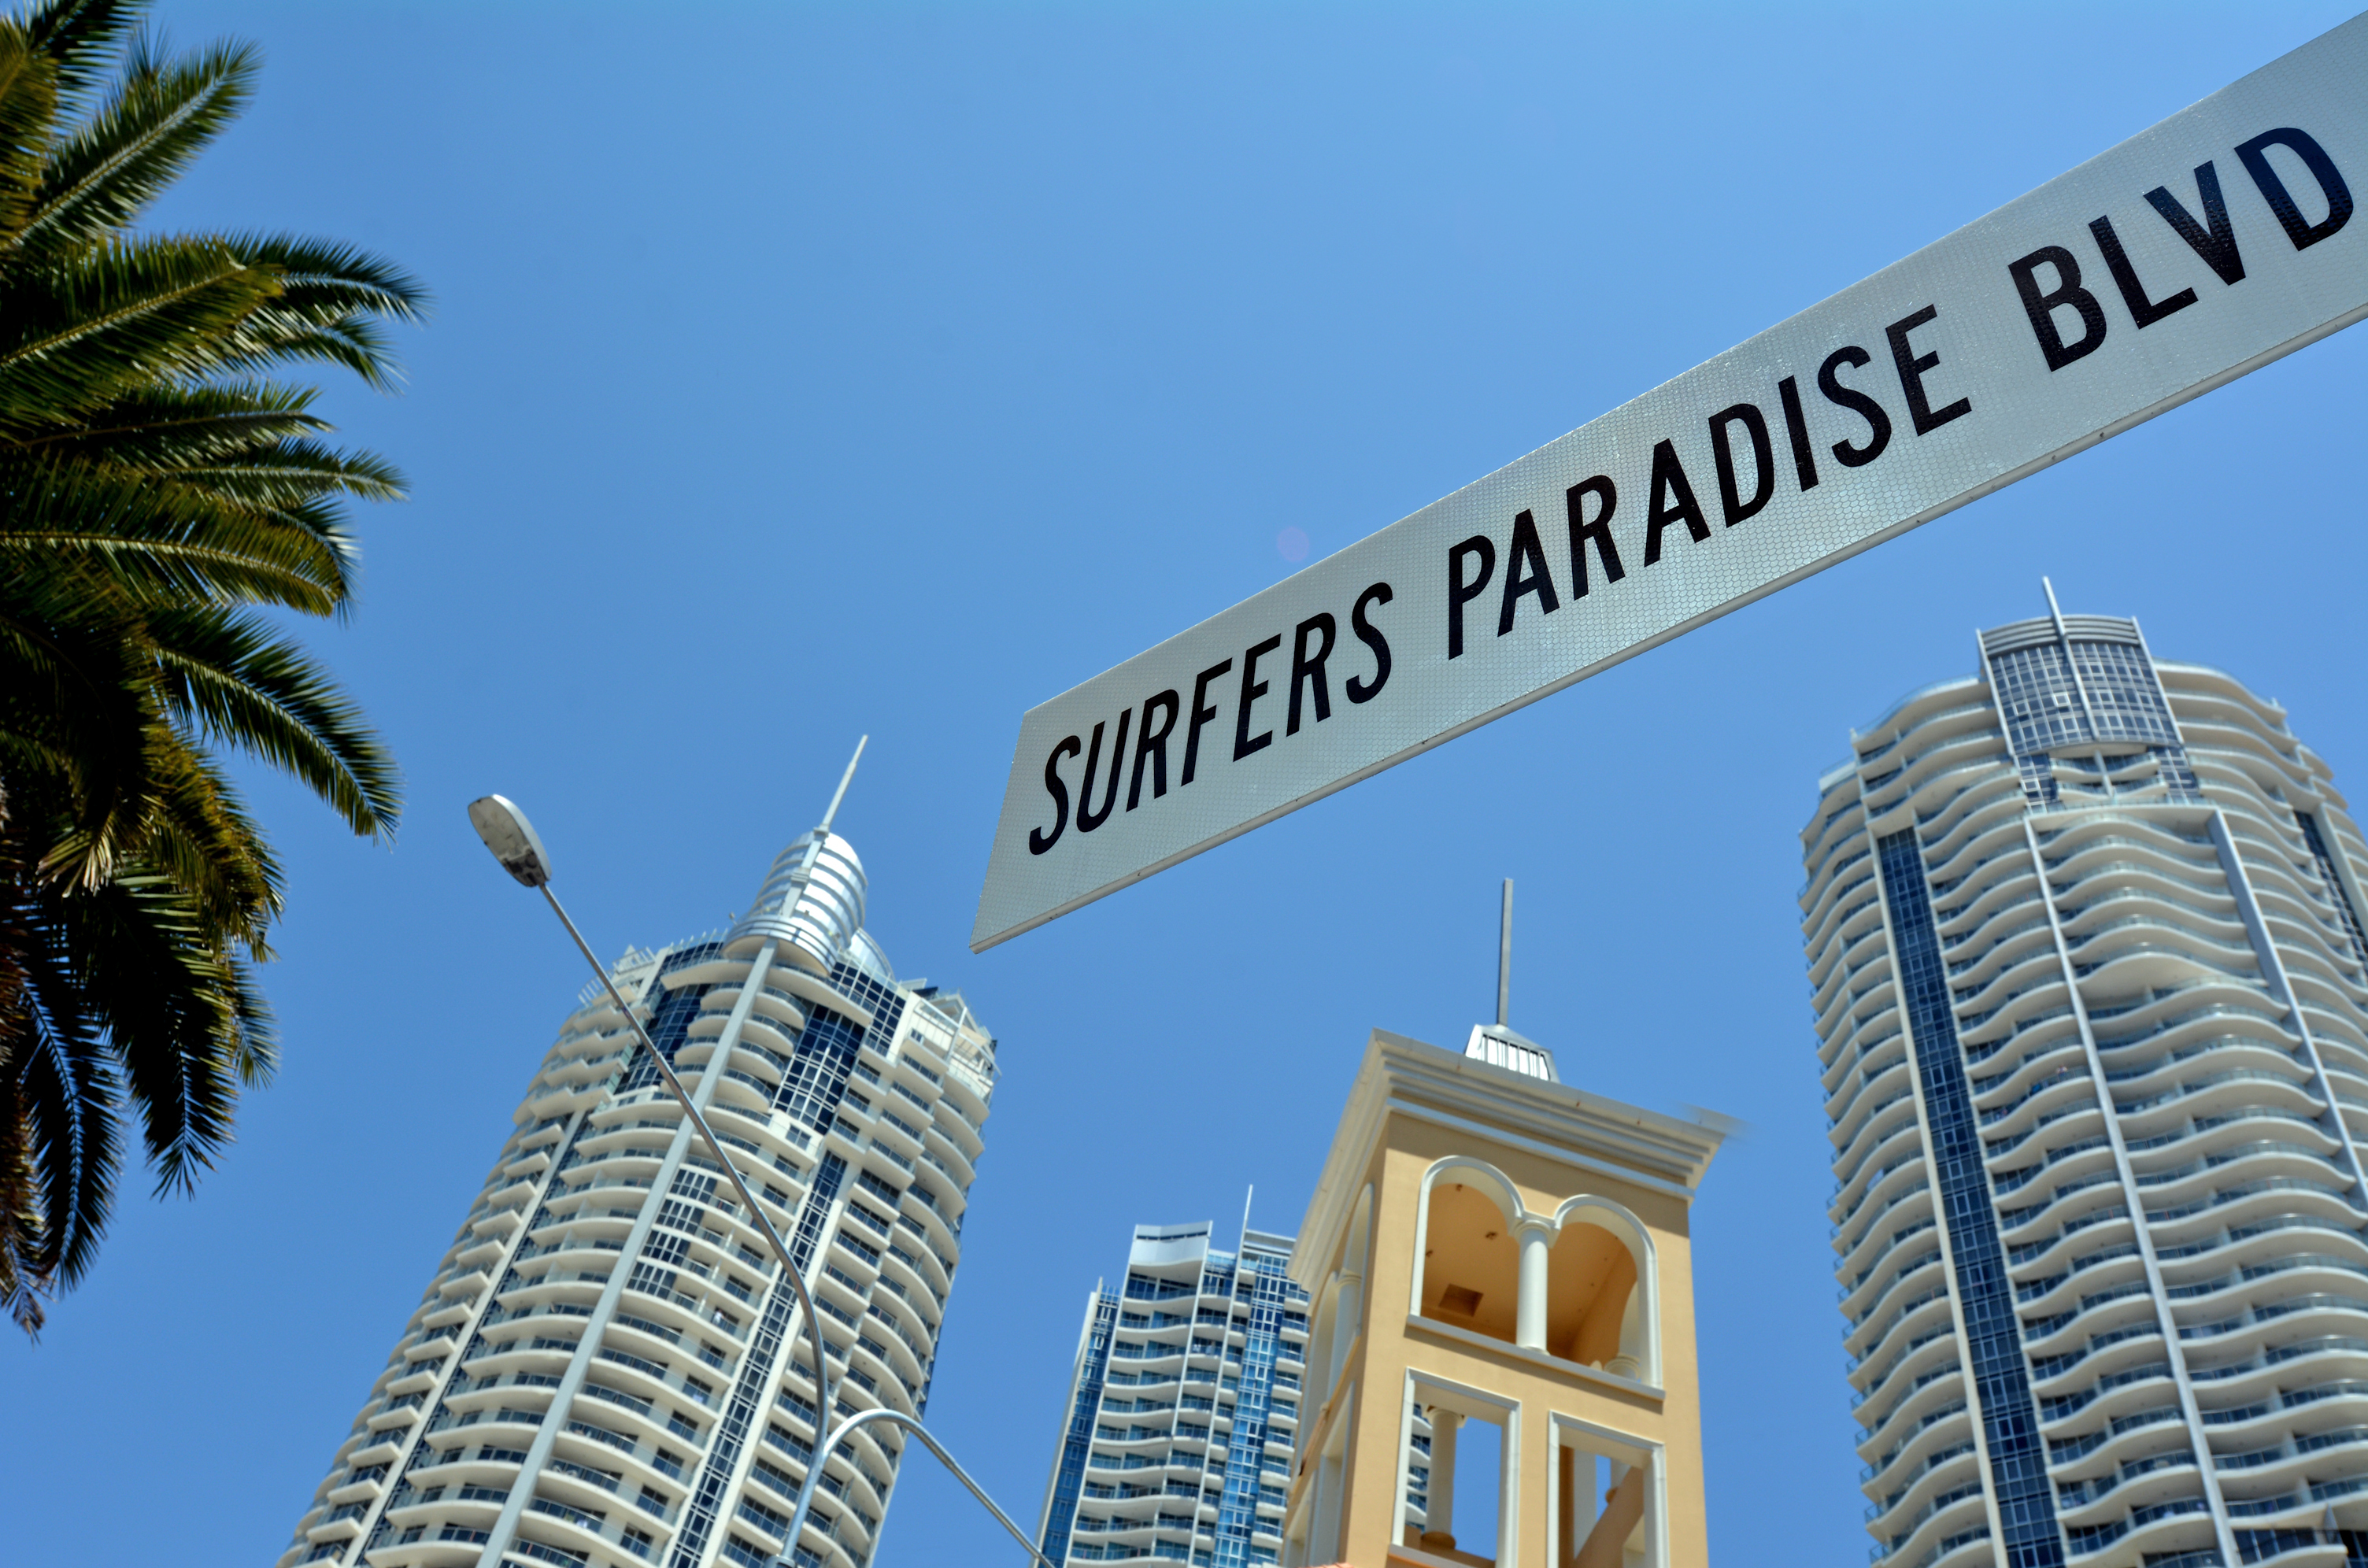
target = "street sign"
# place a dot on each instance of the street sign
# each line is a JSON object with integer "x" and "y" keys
{"x": 2210, "y": 245}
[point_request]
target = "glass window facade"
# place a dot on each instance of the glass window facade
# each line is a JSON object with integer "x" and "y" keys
{"x": 1993, "y": 1348}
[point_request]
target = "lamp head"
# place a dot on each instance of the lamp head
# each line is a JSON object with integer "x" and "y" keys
{"x": 512, "y": 839}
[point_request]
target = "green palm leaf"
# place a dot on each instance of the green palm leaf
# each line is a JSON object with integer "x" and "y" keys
{"x": 229, "y": 676}
{"x": 162, "y": 497}
{"x": 160, "y": 119}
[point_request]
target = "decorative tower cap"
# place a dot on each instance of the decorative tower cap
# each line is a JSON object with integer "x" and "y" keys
{"x": 1496, "y": 1043}
{"x": 812, "y": 901}
{"x": 812, "y": 898}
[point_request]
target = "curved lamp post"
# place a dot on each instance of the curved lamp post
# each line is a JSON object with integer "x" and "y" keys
{"x": 520, "y": 848}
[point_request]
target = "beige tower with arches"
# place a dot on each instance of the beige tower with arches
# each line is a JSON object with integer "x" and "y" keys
{"x": 1487, "y": 1244}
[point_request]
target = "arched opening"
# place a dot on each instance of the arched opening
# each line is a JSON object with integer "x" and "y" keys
{"x": 1471, "y": 1265}
{"x": 1600, "y": 1290}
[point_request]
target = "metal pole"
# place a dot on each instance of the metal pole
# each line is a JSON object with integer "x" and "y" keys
{"x": 1505, "y": 960}
{"x": 844, "y": 780}
{"x": 830, "y": 1444}
{"x": 715, "y": 1146}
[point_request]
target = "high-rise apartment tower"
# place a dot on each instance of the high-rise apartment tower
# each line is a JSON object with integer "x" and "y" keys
{"x": 1182, "y": 1409}
{"x": 2083, "y": 930}
{"x": 607, "y": 1369}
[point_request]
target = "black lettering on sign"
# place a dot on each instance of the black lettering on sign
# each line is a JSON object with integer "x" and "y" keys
{"x": 1878, "y": 424}
{"x": 1796, "y": 426}
{"x": 1306, "y": 668}
{"x": 1672, "y": 501}
{"x": 1202, "y": 711}
{"x": 1461, "y": 593}
{"x": 1370, "y": 636}
{"x": 2042, "y": 305}
{"x": 1087, "y": 818}
{"x": 2300, "y": 230}
{"x": 2214, "y": 239}
{"x": 1252, "y": 689}
{"x": 1525, "y": 573}
{"x": 1152, "y": 746}
{"x": 1039, "y": 840}
{"x": 2142, "y": 311}
{"x": 1912, "y": 367}
{"x": 1763, "y": 461}
{"x": 1606, "y": 551}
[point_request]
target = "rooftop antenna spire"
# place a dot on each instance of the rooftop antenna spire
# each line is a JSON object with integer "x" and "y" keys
{"x": 1496, "y": 1043}
{"x": 844, "y": 780}
{"x": 1246, "y": 1216}
{"x": 1505, "y": 960}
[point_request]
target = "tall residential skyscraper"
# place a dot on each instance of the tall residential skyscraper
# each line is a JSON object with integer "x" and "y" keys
{"x": 606, "y": 1369}
{"x": 2083, "y": 929}
{"x": 1182, "y": 1408}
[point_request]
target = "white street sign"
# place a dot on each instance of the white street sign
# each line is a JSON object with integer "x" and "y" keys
{"x": 2190, "y": 253}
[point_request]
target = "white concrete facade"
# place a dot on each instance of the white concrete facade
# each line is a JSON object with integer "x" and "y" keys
{"x": 2092, "y": 1023}
{"x": 605, "y": 1371}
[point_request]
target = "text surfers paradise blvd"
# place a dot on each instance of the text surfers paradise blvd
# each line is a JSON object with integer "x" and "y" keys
{"x": 2195, "y": 252}
{"x": 2068, "y": 324}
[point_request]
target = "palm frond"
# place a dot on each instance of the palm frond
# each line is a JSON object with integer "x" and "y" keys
{"x": 153, "y": 536}
{"x": 173, "y": 1016}
{"x": 133, "y": 311}
{"x": 345, "y": 278}
{"x": 196, "y": 833}
{"x": 28, "y": 107}
{"x": 247, "y": 688}
{"x": 161, "y": 116}
{"x": 83, "y": 39}
{"x": 60, "y": 1089}
{"x": 159, "y": 424}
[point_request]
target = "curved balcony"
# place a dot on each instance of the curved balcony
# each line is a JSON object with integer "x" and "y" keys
{"x": 1881, "y": 1125}
{"x": 2153, "y": 1531}
{"x": 1909, "y": 1273}
{"x": 2050, "y": 1251}
{"x": 1862, "y": 1263}
{"x": 2012, "y": 1081}
{"x": 2094, "y": 1316}
{"x": 1909, "y": 1403}
{"x": 1933, "y": 1430}
{"x": 2074, "y": 1122}
{"x": 2104, "y": 1352}
{"x": 2133, "y": 1485}
{"x": 1903, "y": 1360}
{"x": 1876, "y": 1086}
{"x": 1944, "y": 1473}
{"x": 2016, "y": 1224}
{"x": 2105, "y": 1265}
{"x": 1944, "y": 1517}
{"x": 1894, "y": 1148}
{"x": 1878, "y": 1219}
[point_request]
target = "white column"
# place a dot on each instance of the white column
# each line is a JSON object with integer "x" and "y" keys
{"x": 1529, "y": 1316}
{"x": 1346, "y": 1320}
{"x": 1438, "y": 1515}
{"x": 1630, "y": 1362}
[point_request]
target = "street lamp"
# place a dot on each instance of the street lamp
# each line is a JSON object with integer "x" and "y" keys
{"x": 520, "y": 848}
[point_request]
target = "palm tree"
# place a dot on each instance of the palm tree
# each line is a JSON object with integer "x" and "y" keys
{"x": 160, "y": 496}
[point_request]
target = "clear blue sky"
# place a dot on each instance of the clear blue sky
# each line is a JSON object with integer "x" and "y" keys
{"x": 804, "y": 372}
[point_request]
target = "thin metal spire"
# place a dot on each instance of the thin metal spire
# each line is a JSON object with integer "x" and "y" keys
{"x": 1505, "y": 960}
{"x": 844, "y": 780}
{"x": 1245, "y": 1220}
